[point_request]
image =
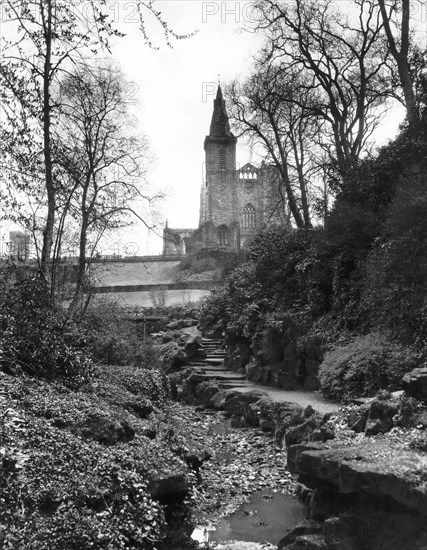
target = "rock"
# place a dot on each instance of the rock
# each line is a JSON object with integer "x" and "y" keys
{"x": 105, "y": 430}
{"x": 205, "y": 391}
{"x": 303, "y": 492}
{"x": 149, "y": 432}
{"x": 189, "y": 386}
{"x": 308, "y": 542}
{"x": 142, "y": 407}
{"x": 305, "y": 527}
{"x": 304, "y": 431}
{"x": 357, "y": 418}
{"x": 238, "y": 404}
{"x": 341, "y": 533}
{"x": 415, "y": 383}
{"x": 294, "y": 453}
{"x": 218, "y": 401}
{"x": 374, "y": 468}
{"x": 169, "y": 488}
{"x": 380, "y": 419}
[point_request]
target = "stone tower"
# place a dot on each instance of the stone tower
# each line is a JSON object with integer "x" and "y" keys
{"x": 235, "y": 204}
{"x": 218, "y": 202}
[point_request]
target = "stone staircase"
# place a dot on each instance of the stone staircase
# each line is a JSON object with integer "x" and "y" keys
{"x": 209, "y": 362}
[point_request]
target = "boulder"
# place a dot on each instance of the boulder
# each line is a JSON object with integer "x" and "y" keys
{"x": 342, "y": 532}
{"x": 106, "y": 431}
{"x": 219, "y": 400}
{"x": 415, "y": 383}
{"x": 305, "y": 527}
{"x": 380, "y": 419}
{"x": 357, "y": 418}
{"x": 304, "y": 431}
{"x": 205, "y": 391}
{"x": 373, "y": 468}
{"x": 238, "y": 404}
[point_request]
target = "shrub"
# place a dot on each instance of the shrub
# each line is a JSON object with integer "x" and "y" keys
{"x": 37, "y": 337}
{"x": 394, "y": 289}
{"x": 364, "y": 366}
{"x": 115, "y": 340}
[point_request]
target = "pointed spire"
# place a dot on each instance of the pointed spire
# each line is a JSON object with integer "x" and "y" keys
{"x": 220, "y": 126}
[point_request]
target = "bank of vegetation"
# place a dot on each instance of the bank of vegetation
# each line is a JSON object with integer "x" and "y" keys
{"x": 347, "y": 292}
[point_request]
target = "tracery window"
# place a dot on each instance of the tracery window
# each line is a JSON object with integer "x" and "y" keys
{"x": 223, "y": 236}
{"x": 249, "y": 219}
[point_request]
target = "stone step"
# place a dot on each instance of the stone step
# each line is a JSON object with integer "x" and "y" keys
{"x": 219, "y": 368}
{"x": 214, "y": 375}
{"x": 214, "y": 361}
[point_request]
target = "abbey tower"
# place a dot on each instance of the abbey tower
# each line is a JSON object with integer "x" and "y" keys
{"x": 235, "y": 203}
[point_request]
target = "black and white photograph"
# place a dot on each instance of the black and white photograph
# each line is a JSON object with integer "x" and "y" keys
{"x": 213, "y": 275}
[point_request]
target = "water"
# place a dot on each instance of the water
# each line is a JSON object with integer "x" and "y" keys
{"x": 147, "y": 298}
{"x": 267, "y": 516}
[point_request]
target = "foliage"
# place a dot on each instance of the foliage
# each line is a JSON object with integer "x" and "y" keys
{"x": 35, "y": 336}
{"x": 152, "y": 383}
{"x": 198, "y": 265}
{"x": 284, "y": 275}
{"x": 364, "y": 366}
{"x": 74, "y": 493}
{"x": 115, "y": 340}
{"x": 394, "y": 287}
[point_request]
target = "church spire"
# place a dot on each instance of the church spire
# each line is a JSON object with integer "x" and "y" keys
{"x": 220, "y": 126}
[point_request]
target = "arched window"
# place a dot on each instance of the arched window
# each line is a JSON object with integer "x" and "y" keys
{"x": 249, "y": 220}
{"x": 223, "y": 235}
{"x": 222, "y": 164}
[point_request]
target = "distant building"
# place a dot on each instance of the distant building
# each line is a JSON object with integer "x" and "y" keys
{"x": 235, "y": 204}
{"x": 19, "y": 245}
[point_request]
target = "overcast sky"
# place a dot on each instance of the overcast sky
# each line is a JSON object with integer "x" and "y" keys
{"x": 175, "y": 89}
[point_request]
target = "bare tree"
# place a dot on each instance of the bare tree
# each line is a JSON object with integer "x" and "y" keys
{"x": 265, "y": 110}
{"x": 345, "y": 63}
{"x": 400, "y": 49}
{"x": 42, "y": 39}
{"x": 104, "y": 157}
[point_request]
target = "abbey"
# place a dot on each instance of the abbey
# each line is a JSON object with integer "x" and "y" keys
{"x": 235, "y": 203}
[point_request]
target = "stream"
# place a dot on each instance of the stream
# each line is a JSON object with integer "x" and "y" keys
{"x": 246, "y": 495}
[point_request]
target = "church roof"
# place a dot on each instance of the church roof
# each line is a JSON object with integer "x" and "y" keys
{"x": 220, "y": 126}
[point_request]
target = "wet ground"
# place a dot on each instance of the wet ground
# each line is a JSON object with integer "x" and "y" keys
{"x": 245, "y": 492}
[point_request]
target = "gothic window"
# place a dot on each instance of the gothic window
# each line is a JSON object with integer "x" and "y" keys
{"x": 223, "y": 236}
{"x": 222, "y": 159}
{"x": 249, "y": 220}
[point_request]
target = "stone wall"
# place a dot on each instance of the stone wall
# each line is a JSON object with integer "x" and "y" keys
{"x": 277, "y": 361}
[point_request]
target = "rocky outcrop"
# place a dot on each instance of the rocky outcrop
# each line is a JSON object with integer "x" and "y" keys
{"x": 289, "y": 422}
{"x": 415, "y": 383}
{"x": 374, "y": 468}
{"x": 276, "y": 361}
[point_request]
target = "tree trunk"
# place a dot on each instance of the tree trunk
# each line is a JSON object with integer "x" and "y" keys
{"x": 50, "y": 188}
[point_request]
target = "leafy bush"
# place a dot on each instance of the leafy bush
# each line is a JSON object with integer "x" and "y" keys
{"x": 115, "y": 340}
{"x": 37, "y": 337}
{"x": 364, "y": 366}
{"x": 394, "y": 289}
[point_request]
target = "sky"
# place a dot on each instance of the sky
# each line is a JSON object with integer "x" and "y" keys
{"x": 176, "y": 88}
{"x": 171, "y": 92}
